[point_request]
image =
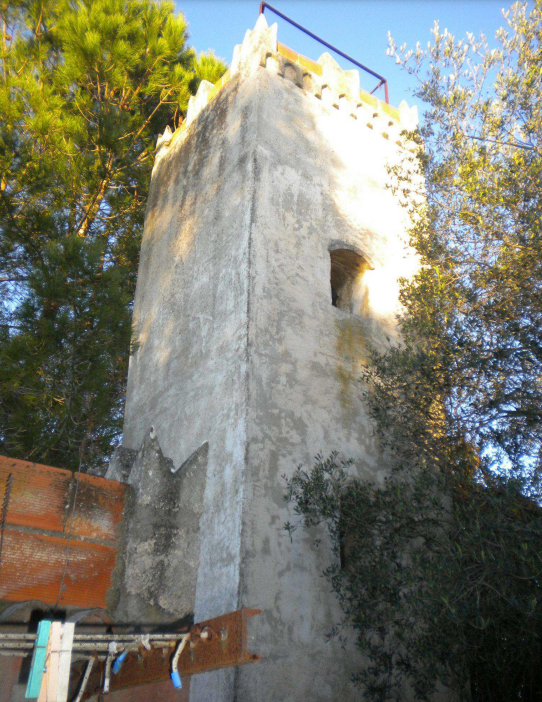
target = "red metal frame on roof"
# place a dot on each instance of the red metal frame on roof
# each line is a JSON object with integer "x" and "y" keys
{"x": 383, "y": 81}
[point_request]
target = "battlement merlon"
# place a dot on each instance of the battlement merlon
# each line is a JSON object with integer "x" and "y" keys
{"x": 324, "y": 79}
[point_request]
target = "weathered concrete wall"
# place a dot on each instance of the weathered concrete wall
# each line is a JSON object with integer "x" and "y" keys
{"x": 188, "y": 377}
{"x": 240, "y": 346}
{"x": 321, "y": 184}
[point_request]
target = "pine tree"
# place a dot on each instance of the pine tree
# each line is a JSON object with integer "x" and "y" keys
{"x": 85, "y": 89}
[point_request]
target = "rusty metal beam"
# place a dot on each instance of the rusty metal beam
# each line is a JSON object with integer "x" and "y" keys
{"x": 216, "y": 643}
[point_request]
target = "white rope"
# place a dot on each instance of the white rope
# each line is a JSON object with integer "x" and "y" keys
{"x": 85, "y": 680}
{"x": 175, "y": 677}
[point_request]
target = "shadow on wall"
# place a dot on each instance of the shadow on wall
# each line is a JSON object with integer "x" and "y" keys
{"x": 175, "y": 212}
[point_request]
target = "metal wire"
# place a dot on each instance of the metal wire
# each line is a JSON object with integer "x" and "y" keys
{"x": 5, "y": 506}
{"x": 66, "y": 558}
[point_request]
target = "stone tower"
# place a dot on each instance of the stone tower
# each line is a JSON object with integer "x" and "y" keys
{"x": 270, "y": 259}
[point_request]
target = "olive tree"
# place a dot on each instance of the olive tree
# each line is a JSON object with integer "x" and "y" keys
{"x": 440, "y": 574}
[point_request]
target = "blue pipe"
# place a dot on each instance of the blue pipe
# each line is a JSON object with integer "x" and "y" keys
{"x": 117, "y": 665}
{"x": 176, "y": 679}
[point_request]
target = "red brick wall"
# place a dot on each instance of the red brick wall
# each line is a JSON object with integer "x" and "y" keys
{"x": 38, "y": 521}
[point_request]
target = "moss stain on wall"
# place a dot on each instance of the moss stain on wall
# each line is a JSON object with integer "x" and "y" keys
{"x": 351, "y": 355}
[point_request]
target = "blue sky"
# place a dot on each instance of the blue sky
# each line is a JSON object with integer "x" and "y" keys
{"x": 359, "y": 28}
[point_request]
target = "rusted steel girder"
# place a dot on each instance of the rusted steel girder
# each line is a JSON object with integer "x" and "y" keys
{"x": 216, "y": 643}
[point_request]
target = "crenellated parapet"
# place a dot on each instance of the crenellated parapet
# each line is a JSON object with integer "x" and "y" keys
{"x": 323, "y": 79}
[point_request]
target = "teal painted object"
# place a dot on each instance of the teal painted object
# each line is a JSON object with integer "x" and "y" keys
{"x": 38, "y": 660}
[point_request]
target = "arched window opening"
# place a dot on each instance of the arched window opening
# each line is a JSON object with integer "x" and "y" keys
{"x": 347, "y": 288}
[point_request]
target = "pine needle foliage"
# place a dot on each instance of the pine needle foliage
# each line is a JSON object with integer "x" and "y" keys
{"x": 85, "y": 89}
{"x": 440, "y": 578}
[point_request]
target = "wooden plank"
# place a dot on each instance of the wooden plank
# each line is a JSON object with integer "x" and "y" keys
{"x": 310, "y": 65}
{"x": 53, "y": 662}
{"x": 288, "y": 53}
{"x": 368, "y": 98}
{"x": 303, "y": 61}
{"x": 64, "y": 665}
{"x": 45, "y": 679}
{"x": 217, "y": 87}
{"x": 390, "y": 110}
{"x": 38, "y": 660}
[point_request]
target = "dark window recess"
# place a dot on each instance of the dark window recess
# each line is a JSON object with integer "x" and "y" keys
{"x": 347, "y": 269}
